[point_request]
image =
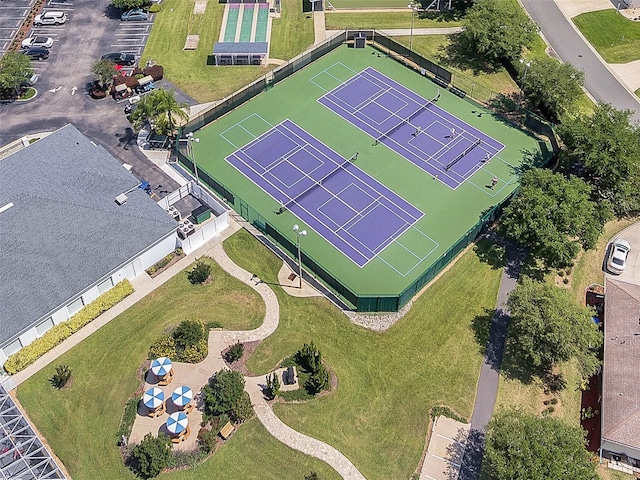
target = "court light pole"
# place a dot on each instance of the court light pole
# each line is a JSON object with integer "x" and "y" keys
{"x": 412, "y": 6}
{"x": 299, "y": 233}
{"x": 526, "y": 64}
{"x": 191, "y": 139}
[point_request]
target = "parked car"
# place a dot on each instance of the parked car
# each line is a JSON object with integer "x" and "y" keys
{"x": 137, "y": 15}
{"x": 46, "y": 42}
{"x": 618, "y": 253}
{"x": 40, "y": 53}
{"x": 120, "y": 58}
{"x": 50, "y": 18}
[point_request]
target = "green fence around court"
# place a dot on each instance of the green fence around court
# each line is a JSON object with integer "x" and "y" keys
{"x": 361, "y": 303}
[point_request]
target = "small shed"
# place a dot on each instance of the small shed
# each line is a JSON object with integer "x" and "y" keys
{"x": 238, "y": 53}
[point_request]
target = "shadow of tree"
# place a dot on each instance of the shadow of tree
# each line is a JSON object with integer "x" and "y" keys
{"x": 112, "y": 12}
{"x": 471, "y": 458}
{"x": 491, "y": 251}
{"x": 461, "y": 53}
{"x": 481, "y": 326}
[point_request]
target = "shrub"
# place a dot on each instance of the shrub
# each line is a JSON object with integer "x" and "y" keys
{"x": 312, "y": 476}
{"x": 199, "y": 273}
{"x": 207, "y": 440}
{"x": 565, "y": 280}
{"x": 309, "y": 357}
{"x": 553, "y": 401}
{"x": 152, "y": 455}
{"x": 155, "y": 8}
{"x": 318, "y": 381}
{"x": 128, "y": 418}
{"x": 222, "y": 391}
{"x": 273, "y": 386}
{"x": 61, "y": 377}
{"x": 213, "y": 324}
{"x": 57, "y": 334}
{"x": 241, "y": 410}
{"x": 235, "y": 352}
{"x": 188, "y": 333}
{"x": 165, "y": 346}
{"x": 439, "y": 411}
{"x": 195, "y": 353}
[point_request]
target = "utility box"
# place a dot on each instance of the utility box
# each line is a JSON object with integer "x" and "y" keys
{"x": 201, "y": 214}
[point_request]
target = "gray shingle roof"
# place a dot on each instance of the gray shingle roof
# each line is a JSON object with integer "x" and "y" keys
{"x": 621, "y": 370}
{"x": 65, "y": 231}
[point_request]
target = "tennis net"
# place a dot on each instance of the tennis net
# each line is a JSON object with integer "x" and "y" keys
{"x": 316, "y": 184}
{"x": 459, "y": 157}
{"x": 404, "y": 121}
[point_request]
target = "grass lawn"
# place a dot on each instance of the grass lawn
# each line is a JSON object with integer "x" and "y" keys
{"x": 387, "y": 382}
{"x": 613, "y": 35}
{"x": 188, "y": 69}
{"x": 380, "y": 20}
{"x": 480, "y": 85}
{"x": 291, "y": 33}
{"x": 81, "y": 422}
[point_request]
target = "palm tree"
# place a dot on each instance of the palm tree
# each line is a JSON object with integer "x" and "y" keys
{"x": 160, "y": 109}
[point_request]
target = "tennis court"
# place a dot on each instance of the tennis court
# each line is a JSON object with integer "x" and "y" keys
{"x": 380, "y": 218}
{"x": 431, "y": 138}
{"x": 349, "y": 208}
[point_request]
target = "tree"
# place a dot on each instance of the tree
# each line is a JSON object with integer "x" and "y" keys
{"x": 520, "y": 446}
{"x": 104, "y": 70}
{"x": 161, "y": 109}
{"x": 547, "y": 327}
{"x": 151, "y": 455}
{"x": 15, "y": 69}
{"x": 61, "y": 377}
{"x": 189, "y": 333}
{"x": 273, "y": 386}
{"x": 607, "y": 145}
{"x": 496, "y": 30}
{"x": 200, "y": 272}
{"x": 553, "y": 86}
{"x": 553, "y": 216}
{"x": 241, "y": 410}
{"x": 129, "y": 4}
{"x": 222, "y": 392}
{"x": 235, "y": 352}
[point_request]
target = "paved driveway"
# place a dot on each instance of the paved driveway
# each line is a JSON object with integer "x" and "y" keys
{"x": 631, "y": 273}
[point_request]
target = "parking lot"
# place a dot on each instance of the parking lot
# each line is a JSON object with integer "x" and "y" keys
{"x": 93, "y": 28}
{"x": 12, "y": 15}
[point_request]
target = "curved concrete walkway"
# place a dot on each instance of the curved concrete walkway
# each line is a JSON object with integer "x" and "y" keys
{"x": 254, "y": 385}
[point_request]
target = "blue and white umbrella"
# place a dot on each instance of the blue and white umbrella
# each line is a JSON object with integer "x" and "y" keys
{"x": 181, "y": 396}
{"x": 153, "y": 398}
{"x": 177, "y": 422}
{"x": 161, "y": 366}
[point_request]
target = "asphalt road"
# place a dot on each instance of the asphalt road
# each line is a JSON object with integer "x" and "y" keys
{"x": 93, "y": 28}
{"x": 571, "y": 48}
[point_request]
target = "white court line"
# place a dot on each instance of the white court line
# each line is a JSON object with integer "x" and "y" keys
{"x": 421, "y": 259}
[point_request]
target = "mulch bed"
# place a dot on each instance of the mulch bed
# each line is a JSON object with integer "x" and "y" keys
{"x": 592, "y": 425}
{"x": 240, "y": 365}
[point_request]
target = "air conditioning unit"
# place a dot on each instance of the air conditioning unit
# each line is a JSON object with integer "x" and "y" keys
{"x": 121, "y": 199}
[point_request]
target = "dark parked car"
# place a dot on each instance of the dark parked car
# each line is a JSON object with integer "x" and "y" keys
{"x": 40, "y": 53}
{"x": 120, "y": 58}
{"x": 136, "y": 14}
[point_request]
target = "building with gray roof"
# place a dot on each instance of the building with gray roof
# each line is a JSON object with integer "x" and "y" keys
{"x": 64, "y": 239}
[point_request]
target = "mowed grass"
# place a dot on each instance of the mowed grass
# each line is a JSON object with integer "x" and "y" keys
{"x": 354, "y": 20}
{"x": 481, "y": 85}
{"x": 188, "y": 69}
{"x": 292, "y": 33}
{"x": 81, "y": 422}
{"x": 387, "y": 382}
{"x": 614, "y": 36}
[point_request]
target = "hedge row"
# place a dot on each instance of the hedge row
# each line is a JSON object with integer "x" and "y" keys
{"x": 58, "y": 333}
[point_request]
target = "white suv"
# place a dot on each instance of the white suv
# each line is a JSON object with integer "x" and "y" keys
{"x": 50, "y": 18}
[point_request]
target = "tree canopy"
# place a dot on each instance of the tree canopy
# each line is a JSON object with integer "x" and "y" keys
{"x": 224, "y": 394}
{"x": 15, "y": 69}
{"x": 496, "y": 30}
{"x": 520, "y": 446}
{"x": 129, "y": 4}
{"x": 553, "y": 216}
{"x": 151, "y": 455}
{"x": 548, "y": 327}
{"x": 104, "y": 70}
{"x": 607, "y": 146}
{"x": 161, "y": 109}
{"x": 552, "y": 86}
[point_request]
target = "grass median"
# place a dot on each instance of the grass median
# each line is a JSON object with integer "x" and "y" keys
{"x": 387, "y": 382}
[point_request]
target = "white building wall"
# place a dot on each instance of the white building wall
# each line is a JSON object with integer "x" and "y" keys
{"x": 619, "y": 449}
{"x": 131, "y": 270}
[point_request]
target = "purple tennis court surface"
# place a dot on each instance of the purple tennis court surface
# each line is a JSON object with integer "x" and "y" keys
{"x": 414, "y": 127}
{"x": 337, "y": 200}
